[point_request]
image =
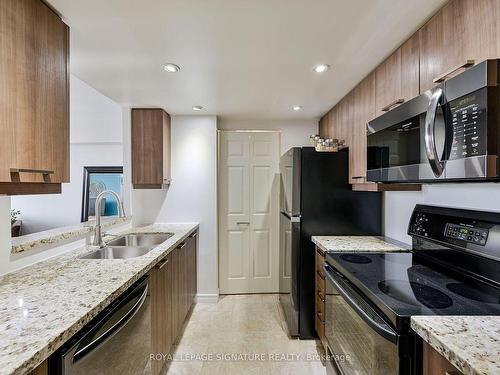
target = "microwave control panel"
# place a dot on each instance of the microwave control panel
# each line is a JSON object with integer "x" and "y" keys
{"x": 469, "y": 122}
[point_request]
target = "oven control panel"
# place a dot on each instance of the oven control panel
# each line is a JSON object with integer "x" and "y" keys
{"x": 473, "y": 235}
{"x": 468, "y": 120}
{"x": 419, "y": 224}
{"x": 443, "y": 229}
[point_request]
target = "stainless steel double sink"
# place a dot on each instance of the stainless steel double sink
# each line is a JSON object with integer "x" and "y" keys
{"x": 129, "y": 246}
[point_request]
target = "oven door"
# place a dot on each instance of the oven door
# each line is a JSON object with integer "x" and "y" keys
{"x": 360, "y": 341}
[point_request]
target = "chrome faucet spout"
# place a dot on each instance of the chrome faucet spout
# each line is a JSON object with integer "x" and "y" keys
{"x": 98, "y": 207}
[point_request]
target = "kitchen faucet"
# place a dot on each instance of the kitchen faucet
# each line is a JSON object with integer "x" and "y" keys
{"x": 98, "y": 203}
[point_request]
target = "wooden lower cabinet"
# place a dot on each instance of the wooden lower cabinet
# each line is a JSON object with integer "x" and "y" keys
{"x": 436, "y": 364}
{"x": 161, "y": 309}
{"x": 173, "y": 290}
{"x": 42, "y": 369}
{"x": 192, "y": 268}
{"x": 320, "y": 296}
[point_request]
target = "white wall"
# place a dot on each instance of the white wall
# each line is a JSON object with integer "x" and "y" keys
{"x": 95, "y": 118}
{"x": 192, "y": 195}
{"x": 398, "y": 206}
{"x": 293, "y": 132}
{"x": 95, "y": 140}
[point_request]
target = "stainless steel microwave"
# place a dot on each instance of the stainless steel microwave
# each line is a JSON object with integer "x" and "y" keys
{"x": 449, "y": 133}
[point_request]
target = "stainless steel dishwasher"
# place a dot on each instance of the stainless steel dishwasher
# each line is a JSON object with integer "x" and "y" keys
{"x": 117, "y": 341}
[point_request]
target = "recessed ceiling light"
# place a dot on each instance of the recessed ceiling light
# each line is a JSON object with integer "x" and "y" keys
{"x": 197, "y": 108}
{"x": 321, "y": 68}
{"x": 171, "y": 68}
{"x": 297, "y": 107}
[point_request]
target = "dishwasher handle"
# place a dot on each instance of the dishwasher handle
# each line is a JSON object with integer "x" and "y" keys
{"x": 115, "y": 328}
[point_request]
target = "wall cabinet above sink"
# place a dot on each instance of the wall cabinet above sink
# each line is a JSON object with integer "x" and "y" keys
{"x": 34, "y": 97}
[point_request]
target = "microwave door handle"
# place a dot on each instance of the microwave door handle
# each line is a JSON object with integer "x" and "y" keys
{"x": 429, "y": 133}
{"x": 114, "y": 329}
{"x": 382, "y": 329}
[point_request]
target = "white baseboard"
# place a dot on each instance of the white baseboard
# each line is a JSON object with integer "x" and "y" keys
{"x": 207, "y": 298}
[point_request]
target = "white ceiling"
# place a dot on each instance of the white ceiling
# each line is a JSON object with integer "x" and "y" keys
{"x": 239, "y": 58}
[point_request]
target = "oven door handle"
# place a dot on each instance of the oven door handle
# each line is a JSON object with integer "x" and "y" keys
{"x": 382, "y": 329}
{"x": 437, "y": 165}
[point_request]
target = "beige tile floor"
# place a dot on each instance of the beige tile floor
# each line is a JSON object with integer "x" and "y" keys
{"x": 242, "y": 334}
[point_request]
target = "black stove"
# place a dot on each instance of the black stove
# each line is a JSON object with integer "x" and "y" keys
{"x": 405, "y": 284}
{"x": 453, "y": 268}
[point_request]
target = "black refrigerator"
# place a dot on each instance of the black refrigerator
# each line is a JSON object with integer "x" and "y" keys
{"x": 316, "y": 199}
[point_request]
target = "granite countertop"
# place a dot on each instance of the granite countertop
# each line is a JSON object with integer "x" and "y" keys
{"x": 56, "y": 236}
{"x": 43, "y": 305}
{"x": 357, "y": 244}
{"x": 470, "y": 343}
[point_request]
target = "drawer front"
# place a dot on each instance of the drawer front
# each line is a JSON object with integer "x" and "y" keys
{"x": 320, "y": 306}
{"x": 320, "y": 327}
{"x": 320, "y": 259}
{"x": 320, "y": 296}
{"x": 320, "y": 281}
{"x": 320, "y": 293}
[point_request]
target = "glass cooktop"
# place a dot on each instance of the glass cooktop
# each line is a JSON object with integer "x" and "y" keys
{"x": 403, "y": 284}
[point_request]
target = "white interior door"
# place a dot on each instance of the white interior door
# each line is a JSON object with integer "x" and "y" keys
{"x": 248, "y": 216}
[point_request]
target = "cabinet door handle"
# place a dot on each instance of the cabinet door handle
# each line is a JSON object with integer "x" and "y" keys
{"x": 161, "y": 264}
{"x": 393, "y": 104}
{"x": 14, "y": 173}
{"x": 193, "y": 235}
{"x": 182, "y": 245}
{"x": 242, "y": 223}
{"x": 465, "y": 65}
{"x": 358, "y": 177}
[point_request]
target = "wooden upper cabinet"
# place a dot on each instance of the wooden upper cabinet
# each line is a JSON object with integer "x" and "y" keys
{"x": 397, "y": 78}
{"x": 150, "y": 148}
{"x": 364, "y": 111}
{"x": 328, "y": 124}
{"x": 439, "y": 44}
{"x": 410, "y": 68}
{"x": 34, "y": 97}
{"x": 332, "y": 122}
{"x": 345, "y": 113}
{"x": 462, "y": 30}
{"x": 323, "y": 126}
{"x": 388, "y": 83}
